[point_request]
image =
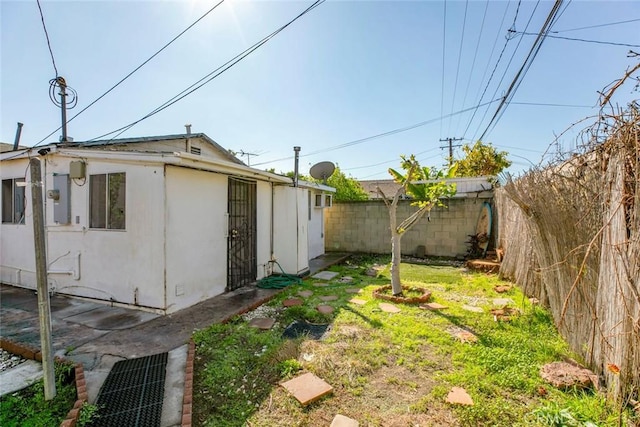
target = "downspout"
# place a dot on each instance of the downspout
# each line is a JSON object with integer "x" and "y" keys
{"x": 271, "y": 243}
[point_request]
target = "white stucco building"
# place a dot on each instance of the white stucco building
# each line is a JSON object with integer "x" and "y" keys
{"x": 158, "y": 223}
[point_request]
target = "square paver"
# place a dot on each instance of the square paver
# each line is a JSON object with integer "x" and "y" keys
{"x": 472, "y": 308}
{"x": 342, "y": 421}
{"x": 264, "y": 323}
{"x": 290, "y": 302}
{"x": 307, "y": 388}
{"x": 389, "y": 308}
{"x": 433, "y": 306}
{"x": 325, "y": 275}
{"x": 325, "y": 309}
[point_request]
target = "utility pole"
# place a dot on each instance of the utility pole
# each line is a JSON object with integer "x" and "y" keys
{"x": 44, "y": 310}
{"x": 451, "y": 141}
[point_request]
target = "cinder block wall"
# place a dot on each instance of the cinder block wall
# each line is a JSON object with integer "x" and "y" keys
{"x": 364, "y": 227}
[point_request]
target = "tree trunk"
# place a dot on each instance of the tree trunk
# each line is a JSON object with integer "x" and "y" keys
{"x": 396, "y": 286}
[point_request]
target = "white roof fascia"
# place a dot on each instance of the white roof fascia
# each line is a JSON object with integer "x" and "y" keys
{"x": 178, "y": 159}
{"x": 316, "y": 186}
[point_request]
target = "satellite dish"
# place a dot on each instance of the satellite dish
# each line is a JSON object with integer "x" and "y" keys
{"x": 322, "y": 170}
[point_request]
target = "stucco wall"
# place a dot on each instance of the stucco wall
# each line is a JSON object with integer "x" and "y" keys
{"x": 364, "y": 227}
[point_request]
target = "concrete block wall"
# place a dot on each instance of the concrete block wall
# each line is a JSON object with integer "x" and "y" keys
{"x": 364, "y": 227}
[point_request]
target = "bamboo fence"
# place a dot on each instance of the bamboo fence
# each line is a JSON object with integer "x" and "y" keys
{"x": 571, "y": 238}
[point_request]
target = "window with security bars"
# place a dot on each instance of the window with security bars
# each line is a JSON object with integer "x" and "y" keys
{"x": 13, "y": 203}
{"x": 107, "y": 196}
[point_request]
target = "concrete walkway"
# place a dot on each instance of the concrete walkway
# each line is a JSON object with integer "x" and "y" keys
{"x": 98, "y": 335}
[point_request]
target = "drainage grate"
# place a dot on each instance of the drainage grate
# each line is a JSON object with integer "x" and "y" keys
{"x": 133, "y": 392}
{"x": 300, "y": 328}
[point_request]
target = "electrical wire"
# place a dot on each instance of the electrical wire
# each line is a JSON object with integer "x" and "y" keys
{"x": 504, "y": 47}
{"x": 444, "y": 42}
{"x": 533, "y": 52}
{"x": 541, "y": 104}
{"x": 473, "y": 63}
{"x": 455, "y": 85}
{"x": 380, "y": 135}
{"x": 508, "y": 64}
{"x": 581, "y": 40}
{"x": 596, "y": 26}
{"x": 132, "y": 72}
{"x": 46, "y": 34}
{"x": 209, "y": 77}
{"x": 388, "y": 161}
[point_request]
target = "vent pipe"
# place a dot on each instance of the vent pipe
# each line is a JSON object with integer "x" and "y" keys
{"x": 296, "y": 149}
{"x": 16, "y": 142}
{"x": 188, "y": 127}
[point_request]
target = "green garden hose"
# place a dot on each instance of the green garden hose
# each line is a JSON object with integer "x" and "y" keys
{"x": 278, "y": 281}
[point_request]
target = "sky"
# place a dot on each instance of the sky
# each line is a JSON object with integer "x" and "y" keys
{"x": 357, "y": 83}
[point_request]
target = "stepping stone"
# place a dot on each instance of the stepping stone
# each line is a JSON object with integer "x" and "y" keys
{"x": 466, "y": 336}
{"x": 320, "y": 285}
{"x": 389, "y": 308}
{"x": 433, "y": 306}
{"x": 327, "y": 298}
{"x": 346, "y": 279}
{"x": 353, "y": 291}
{"x": 307, "y": 388}
{"x": 459, "y": 396}
{"x": 472, "y": 308}
{"x": 502, "y": 288}
{"x": 358, "y": 301}
{"x": 290, "y": 302}
{"x": 500, "y": 302}
{"x": 371, "y": 272}
{"x": 325, "y": 275}
{"x": 342, "y": 421}
{"x": 264, "y": 323}
{"x": 305, "y": 294}
{"x": 325, "y": 309}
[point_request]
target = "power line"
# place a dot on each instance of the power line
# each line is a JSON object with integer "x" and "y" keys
{"x": 388, "y": 161}
{"x": 596, "y": 26}
{"x": 506, "y": 69}
{"x": 473, "y": 63}
{"x": 132, "y": 72}
{"x": 444, "y": 39}
{"x": 380, "y": 135}
{"x": 455, "y": 85}
{"x": 46, "y": 34}
{"x": 209, "y": 77}
{"x": 533, "y": 52}
{"x": 581, "y": 40}
{"x": 541, "y": 104}
{"x": 497, "y": 63}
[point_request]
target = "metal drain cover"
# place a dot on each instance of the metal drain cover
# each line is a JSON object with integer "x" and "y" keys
{"x": 300, "y": 328}
{"x": 133, "y": 392}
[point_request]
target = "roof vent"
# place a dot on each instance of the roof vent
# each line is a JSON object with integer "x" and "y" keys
{"x": 195, "y": 150}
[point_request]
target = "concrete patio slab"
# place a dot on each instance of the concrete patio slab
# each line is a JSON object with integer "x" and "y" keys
{"x": 111, "y": 318}
{"x": 20, "y": 376}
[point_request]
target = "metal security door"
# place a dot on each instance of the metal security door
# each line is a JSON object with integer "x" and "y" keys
{"x": 241, "y": 253}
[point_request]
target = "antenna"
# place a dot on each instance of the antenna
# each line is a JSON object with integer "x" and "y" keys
{"x": 322, "y": 170}
{"x": 244, "y": 153}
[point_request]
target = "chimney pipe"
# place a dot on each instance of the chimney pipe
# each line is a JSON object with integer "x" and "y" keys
{"x": 296, "y": 149}
{"x": 16, "y": 142}
{"x": 188, "y": 126}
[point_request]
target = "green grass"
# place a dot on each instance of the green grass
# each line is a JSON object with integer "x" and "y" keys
{"x": 28, "y": 408}
{"x": 394, "y": 366}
